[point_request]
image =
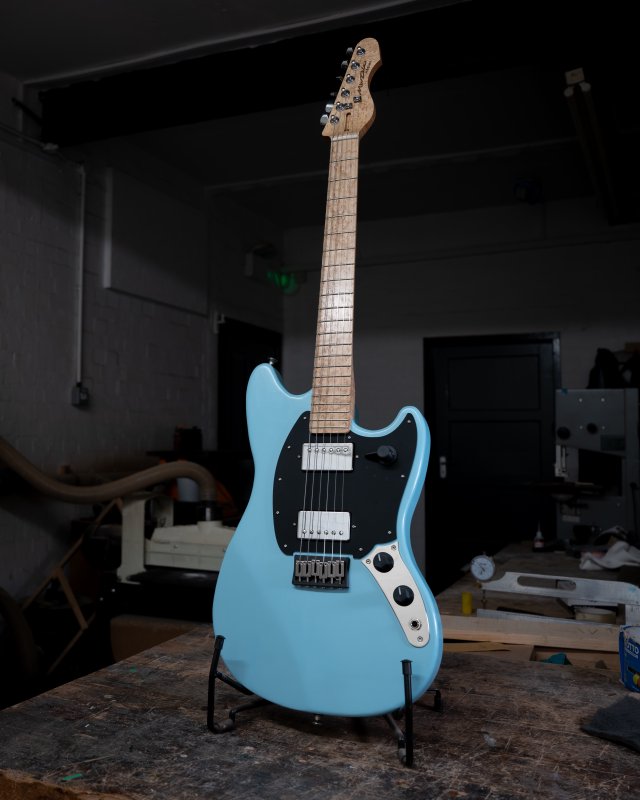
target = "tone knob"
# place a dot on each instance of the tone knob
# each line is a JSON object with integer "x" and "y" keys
{"x": 403, "y": 595}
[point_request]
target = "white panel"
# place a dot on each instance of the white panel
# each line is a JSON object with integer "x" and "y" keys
{"x": 154, "y": 245}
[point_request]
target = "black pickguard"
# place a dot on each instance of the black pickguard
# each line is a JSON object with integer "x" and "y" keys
{"x": 371, "y": 493}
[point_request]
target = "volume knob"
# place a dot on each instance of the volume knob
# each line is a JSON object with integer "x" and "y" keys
{"x": 383, "y": 562}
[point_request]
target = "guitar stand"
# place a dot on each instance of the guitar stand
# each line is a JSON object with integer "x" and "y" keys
{"x": 404, "y": 738}
{"x": 215, "y": 674}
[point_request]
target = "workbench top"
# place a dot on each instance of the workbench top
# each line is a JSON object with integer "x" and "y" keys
{"x": 137, "y": 730}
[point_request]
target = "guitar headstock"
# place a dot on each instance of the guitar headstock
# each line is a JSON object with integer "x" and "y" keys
{"x": 353, "y": 110}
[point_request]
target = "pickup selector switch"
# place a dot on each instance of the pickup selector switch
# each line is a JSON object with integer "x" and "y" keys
{"x": 385, "y": 454}
{"x": 403, "y": 595}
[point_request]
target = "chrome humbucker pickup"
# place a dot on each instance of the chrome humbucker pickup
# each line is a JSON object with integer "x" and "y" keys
{"x": 333, "y": 525}
{"x": 320, "y": 456}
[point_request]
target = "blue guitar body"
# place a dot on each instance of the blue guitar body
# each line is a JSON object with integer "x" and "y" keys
{"x": 317, "y": 647}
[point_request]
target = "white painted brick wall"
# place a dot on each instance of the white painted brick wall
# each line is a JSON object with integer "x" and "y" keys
{"x": 144, "y": 365}
{"x": 148, "y": 367}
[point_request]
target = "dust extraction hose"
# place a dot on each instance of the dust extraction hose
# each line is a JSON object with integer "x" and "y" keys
{"x": 108, "y": 491}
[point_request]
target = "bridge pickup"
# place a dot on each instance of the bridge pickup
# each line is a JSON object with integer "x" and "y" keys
{"x": 322, "y": 457}
{"x": 316, "y": 572}
{"x": 326, "y": 525}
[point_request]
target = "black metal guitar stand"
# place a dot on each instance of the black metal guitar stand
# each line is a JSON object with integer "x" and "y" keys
{"x": 404, "y": 738}
{"x": 215, "y": 674}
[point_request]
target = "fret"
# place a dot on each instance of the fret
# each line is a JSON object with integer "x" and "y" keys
{"x": 336, "y": 362}
{"x": 342, "y": 189}
{"x": 346, "y": 219}
{"x": 338, "y": 258}
{"x": 339, "y": 289}
{"x": 331, "y": 328}
{"x": 340, "y": 241}
{"x": 337, "y": 339}
{"x": 336, "y": 308}
{"x": 332, "y": 315}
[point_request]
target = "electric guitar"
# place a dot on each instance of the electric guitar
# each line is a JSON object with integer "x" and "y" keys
{"x": 319, "y": 597}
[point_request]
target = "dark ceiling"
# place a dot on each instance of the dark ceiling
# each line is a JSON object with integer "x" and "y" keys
{"x": 528, "y": 46}
{"x": 453, "y": 41}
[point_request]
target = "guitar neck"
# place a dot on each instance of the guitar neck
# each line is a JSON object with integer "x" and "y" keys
{"x": 333, "y": 391}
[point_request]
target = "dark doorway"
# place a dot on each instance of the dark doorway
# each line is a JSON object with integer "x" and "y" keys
{"x": 241, "y": 347}
{"x": 489, "y": 402}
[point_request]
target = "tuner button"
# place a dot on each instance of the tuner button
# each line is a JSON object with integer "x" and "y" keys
{"x": 328, "y": 107}
{"x": 403, "y": 595}
{"x": 383, "y": 562}
{"x": 349, "y": 51}
{"x": 344, "y": 64}
{"x": 324, "y": 119}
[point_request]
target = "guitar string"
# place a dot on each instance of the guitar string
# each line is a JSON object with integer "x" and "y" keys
{"x": 326, "y": 323}
{"x": 339, "y": 313}
{"x": 333, "y": 239}
{"x": 307, "y": 517}
{"x": 343, "y": 313}
{"x": 333, "y": 314}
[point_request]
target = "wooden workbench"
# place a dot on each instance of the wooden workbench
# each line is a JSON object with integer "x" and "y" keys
{"x": 137, "y": 730}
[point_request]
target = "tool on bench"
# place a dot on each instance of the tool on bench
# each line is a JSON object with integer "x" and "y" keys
{"x": 574, "y": 592}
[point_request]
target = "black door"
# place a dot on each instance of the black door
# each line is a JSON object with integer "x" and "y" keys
{"x": 490, "y": 407}
{"x": 241, "y": 347}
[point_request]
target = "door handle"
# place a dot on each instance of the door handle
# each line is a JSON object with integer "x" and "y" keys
{"x": 442, "y": 461}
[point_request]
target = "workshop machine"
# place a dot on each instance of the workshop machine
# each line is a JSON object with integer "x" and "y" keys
{"x": 597, "y": 461}
{"x": 197, "y": 546}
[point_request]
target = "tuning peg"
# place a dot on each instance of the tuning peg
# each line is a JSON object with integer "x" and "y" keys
{"x": 349, "y": 51}
{"x": 328, "y": 107}
{"x": 324, "y": 119}
{"x": 344, "y": 64}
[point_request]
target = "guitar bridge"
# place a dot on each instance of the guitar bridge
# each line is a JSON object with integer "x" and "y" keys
{"x": 320, "y": 572}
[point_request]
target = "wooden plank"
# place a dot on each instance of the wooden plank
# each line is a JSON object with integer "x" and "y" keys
{"x": 576, "y": 635}
{"x": 137, "y": 730}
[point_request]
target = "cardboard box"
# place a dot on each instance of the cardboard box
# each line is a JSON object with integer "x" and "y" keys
{"x": 131, "y": 634}
{"x": 630, "y": 656}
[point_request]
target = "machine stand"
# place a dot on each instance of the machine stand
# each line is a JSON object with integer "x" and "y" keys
{"x": 404, "y": 738}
